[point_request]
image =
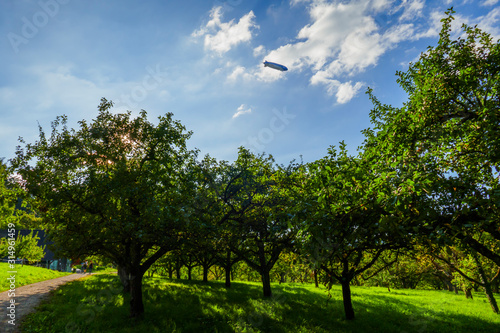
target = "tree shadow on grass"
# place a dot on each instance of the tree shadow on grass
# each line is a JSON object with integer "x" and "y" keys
{"x": 308, "y": 311}
{"x": 194, "y": 306}
{"x": 429, "y": 317}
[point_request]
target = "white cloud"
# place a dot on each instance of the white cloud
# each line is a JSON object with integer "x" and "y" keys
{"x": 434, "y": 26}
{"x": 319, "y": 41}
{"x": 222, "y": 36}
{"x": 489, "y": 2}
{"x": 342, "y": 39}
{"x": 259, "y": 51}
{"x": 237, "y": 72}
{"x": 411, "y": 9}
{"x": 489, "y": 23}
{"x": 242, "y": 109}
{"x": 346, "y": 91}
{"x": 379, "y": 5}
{"x": 343, "y": 92}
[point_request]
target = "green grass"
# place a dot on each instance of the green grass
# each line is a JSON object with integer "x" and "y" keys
{"x": 99, "y": 269}
{"x": 104, "y": 269}
{"x": 95, "y": 304}
{"x": 26, "y": 275}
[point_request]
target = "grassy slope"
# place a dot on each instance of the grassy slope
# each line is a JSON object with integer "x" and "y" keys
{"x": 95, "y": 304}
{"x": 26, "y": 275}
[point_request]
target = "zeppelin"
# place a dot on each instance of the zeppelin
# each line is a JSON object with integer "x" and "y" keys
{"x": 275, "y": 66}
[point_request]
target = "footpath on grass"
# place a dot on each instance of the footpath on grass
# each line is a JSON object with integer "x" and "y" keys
{"x": 26, "y": 299}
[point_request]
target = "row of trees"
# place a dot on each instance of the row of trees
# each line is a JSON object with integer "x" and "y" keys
{"x": 413, "y": 269}
{"x": 427, "y": 176}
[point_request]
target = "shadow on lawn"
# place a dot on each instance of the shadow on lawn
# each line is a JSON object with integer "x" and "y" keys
{"x": 430, "y": 317}
{"x": 194, "y": 306}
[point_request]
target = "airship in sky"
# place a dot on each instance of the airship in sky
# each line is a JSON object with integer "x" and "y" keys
{"x": 275, "y": 66}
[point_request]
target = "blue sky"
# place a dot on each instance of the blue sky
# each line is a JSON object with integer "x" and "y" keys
{"x": 202, "y": 60}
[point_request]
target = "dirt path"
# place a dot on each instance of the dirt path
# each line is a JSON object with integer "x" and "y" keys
{"x": 27, "y": 298}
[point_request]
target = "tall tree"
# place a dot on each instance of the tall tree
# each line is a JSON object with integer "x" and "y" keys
{"x": 260, "y": 200}
{"x": 351, "y": 221}
{"x": 118, "y": 186}
{"x": 212, "y": 240}
{"x": 449, "y": 133}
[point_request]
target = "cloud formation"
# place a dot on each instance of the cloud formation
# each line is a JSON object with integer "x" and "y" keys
{"x": 343, "y": 39}
{"x": 242, "y": 109}
{"x": 489, "y": 3}
{"x": 220, "y": 36}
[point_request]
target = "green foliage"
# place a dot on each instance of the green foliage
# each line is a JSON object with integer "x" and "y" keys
{"x": 445, "y": 138}
{"x": 105, "y": 176}
{"x": 442, "y": 145}
{"x": 8, "y": 196}
{"x": 26, "y": 248}
{"x": 117, "y": 186}
{"x": 13, "y": 203}
{"x": 413, "y": 269}
{"x": 351, "y": 220}
{"x": 260, "y": 202}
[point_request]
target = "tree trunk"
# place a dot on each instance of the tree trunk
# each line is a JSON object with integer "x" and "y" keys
{"x": 266, "y": 283}
{"x": 346, "y": 296}
{"x": 136, "y": 304}
{"x": 189, "y": 272}
{"x": 468, "y": 292}
{"x": 494, "y": 287}
{"x": 205, "y": 273}
{"x": 447, "y": 284}
{"x": 264, "y": 271}
{"x": 491, "y": 298}
{"x": 228, "y": 265}
{"x": 316, "y": 284}
{"x": 486, "y": 284}
{"x": 228, "y": 276}
{"x": 124, "y": 278}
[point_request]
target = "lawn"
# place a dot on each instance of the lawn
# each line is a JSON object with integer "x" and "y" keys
{"x": 96, "y": 305}
{"x": 26, "y": 275}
